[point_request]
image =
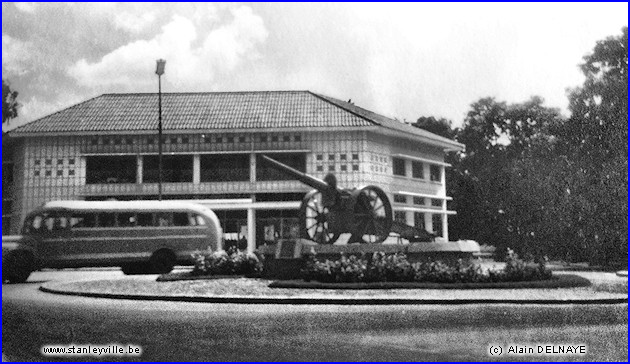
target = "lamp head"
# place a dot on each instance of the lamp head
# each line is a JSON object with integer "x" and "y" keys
{"x": 159, "y": 70}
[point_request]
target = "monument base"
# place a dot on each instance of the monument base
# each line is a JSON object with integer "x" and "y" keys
{"x": 284, "y": 260}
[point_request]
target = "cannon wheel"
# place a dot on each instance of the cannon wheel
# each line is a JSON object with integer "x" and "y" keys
{"x": 372, "y": 215}
{"x": 315, "y": 219}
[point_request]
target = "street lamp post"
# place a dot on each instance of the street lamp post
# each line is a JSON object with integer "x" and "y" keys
{"x": 160, "y": 71}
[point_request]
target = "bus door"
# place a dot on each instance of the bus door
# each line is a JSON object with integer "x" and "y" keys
{"x": 51, "y": 231}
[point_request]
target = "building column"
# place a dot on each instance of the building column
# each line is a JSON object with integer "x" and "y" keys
{"x": 196, "y": 169}
{"x": 445, "y": 226}
{"x": 252, "y": 167}
{"x": 139, "y": 164}
{"x": 426, "y": 171}
{"x": 428, "y": 222}
{"x": 251, "y": 230}
{"x": 443, "y": 181}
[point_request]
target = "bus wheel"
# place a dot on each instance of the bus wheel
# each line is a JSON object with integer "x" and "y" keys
{"x": 17, "y": 266}
{"x": 162, "y": 261}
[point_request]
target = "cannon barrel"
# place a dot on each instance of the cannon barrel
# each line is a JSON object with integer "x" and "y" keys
{"x": 314, "y": 182}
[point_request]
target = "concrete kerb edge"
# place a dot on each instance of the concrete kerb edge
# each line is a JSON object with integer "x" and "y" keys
{"x": 331, "y": 301}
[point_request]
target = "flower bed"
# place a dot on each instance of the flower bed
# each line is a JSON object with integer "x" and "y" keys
{"x": 381, "y": 267}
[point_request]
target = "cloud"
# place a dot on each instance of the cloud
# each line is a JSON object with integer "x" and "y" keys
{"x": 26, "y": 6}
{"x": 16, "y": 56}
{"x": 134, "y": 23}
{"x": 194, "y": 54}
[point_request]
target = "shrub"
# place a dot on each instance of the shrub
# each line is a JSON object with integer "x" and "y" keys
{"x": 381, "y": 267}
{"x": 231, "y": 262}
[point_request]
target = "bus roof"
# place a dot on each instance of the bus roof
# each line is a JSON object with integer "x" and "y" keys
{"x": 139, "y": 205}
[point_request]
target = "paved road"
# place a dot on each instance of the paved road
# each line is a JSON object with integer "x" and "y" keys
{"x": 181, "y": 331}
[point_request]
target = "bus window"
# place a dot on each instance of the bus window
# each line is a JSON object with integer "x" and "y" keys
{"x": 199, "y": 220}
{"x": 145, "y": 219}
{"x": 126, "y": 219}
{"x": 164, "y": 219}
{"x": 106, "y": 219}
{"x": 35, "y": 225}
{"x": 180, "y": 219}
{"x": 83, "y": 220}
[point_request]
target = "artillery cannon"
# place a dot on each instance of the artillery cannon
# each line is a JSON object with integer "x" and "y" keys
{"x": 328, "y": 211}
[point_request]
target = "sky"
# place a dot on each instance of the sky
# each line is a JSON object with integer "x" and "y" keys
{"x": 402, "y": 60}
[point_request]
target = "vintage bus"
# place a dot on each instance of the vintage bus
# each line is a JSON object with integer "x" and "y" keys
{"x": 138, "y": 236}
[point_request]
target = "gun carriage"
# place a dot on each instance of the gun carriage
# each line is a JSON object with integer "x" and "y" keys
{"x": 328, "y": 211}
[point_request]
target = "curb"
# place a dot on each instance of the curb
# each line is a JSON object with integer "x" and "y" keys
{"x": 333, "y": 301}
{"x": 622, "y": 273}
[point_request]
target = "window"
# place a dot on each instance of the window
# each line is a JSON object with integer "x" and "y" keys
{"x": 274, "y": 138}
{"x": 117, "y": 141}
{"x": 206, "y": 139}
{"x": 164, "y": 219}
{"x": 219, "y": 139}
{"x": 286, "y": 138}
{"x": 331, "y": 157}
{"x": 48, "y": 173}
{"x": 185, "y": 140}
{"x": 59, "y": 173}
{"x": 320, "y": 168}
{"x": 145, "y": 219}
{"x": 230, "y": 139}
{"x": 344, "y": 168}
{"x": 181, "y": 219}
{"x": 399, "y": 167}
{"x": 263, "y": 139}
{"x": 297, "y": 138}
{"x": 126, "y": 219}
{"x": 418, "y": 200}
{"x": 224, "y": 167}
{"x": 106, "y": 219}
{"x": 36, "y": 173}
{"x": 436, "y": 202}
{"x": 319, "y": 157}
{"x": 355, "y": 157}
{"x": 417, "y": 170}
{"x": 436, "y": 173}
{"x": 150, "y": 141}
{"x": 342, "y": 157}
{"x": 130, "y": 141}
{"x": 355, "y": 167}
{"x": 48, "y": 162}
{"x": 110, "y": 169}
{"x": 418, "y": 220}
{"x": 400, "y": 198}
{"x": 173, "y": 140}
{"x": 267, "y": 172}
{"x": 198, "y": 220}
{"x": 83, "y": 220}
{"x": 331, "y": 168}
{"x": 241, "y": 139}
{"x": 94, "y": 141}
{"x": 71, "y": 172}
{"x": 175, "y": 168}
{"x": 71, "y": 161}
{"x": 59, "y": 161}
{"x": 37, "y": 162}
{"x": 400, "y": 216}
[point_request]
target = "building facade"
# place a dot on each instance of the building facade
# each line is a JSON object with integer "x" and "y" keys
{"x": 107, "y": 148}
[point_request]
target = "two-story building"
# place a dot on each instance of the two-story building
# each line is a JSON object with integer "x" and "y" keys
{"x": 107, "y": 148}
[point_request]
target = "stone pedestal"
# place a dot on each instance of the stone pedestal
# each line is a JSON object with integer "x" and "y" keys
{"x": 284, "y": 259}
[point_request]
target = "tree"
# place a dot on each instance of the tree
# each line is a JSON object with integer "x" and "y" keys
{"x": 595, "y": 140}
{"x": 9, "y": 103}
{"x": 491, "y": 206}
{"x": 441, "y": 127}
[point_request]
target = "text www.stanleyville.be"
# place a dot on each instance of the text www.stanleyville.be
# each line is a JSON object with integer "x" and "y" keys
{"x": 92, "y": 350}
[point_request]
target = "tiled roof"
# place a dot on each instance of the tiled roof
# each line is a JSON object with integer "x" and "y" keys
{"x": 211, "y": 111}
